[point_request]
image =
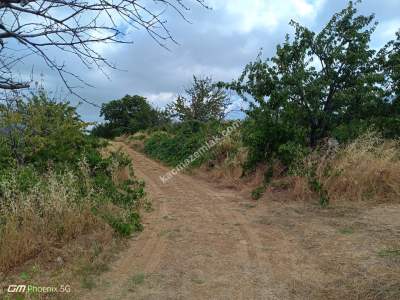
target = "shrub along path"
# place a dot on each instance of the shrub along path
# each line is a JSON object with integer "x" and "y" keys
{"x": 201, "y": 242}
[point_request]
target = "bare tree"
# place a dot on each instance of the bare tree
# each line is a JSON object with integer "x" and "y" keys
{"x": 29, "y": 27}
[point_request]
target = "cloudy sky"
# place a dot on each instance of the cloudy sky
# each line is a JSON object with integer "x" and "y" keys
{"x": 217, "y": 42}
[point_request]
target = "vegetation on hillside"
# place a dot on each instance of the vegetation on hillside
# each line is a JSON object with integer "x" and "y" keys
{"x": 177, "y": 142}
{"x": 319, "y": 85}
{"x": 322, "y": 121}
{"x": 311, "y": 112}
{"x": 54, "y": 183}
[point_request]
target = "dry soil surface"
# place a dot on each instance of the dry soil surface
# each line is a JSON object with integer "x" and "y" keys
{"x": 203, "y": 242}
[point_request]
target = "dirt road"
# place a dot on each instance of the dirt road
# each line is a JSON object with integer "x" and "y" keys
{"x": 201, "y": 242}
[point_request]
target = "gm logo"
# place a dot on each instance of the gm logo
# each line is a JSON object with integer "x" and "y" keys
{"x": 14, "y": 288}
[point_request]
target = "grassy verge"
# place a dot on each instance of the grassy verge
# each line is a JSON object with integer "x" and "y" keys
{"x": 175, "y": 144}
{"x": 41, "y": 211}
{"x": 64, "y": 205}
{"x": 64, "y": 226}
{"x": 366, "y": 169}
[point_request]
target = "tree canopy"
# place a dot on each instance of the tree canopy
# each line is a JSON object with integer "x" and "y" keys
{"x": 204, "y": 101}
{"x": 128, "y": 115}
{"x": 39, "y": 130}
{"x": 330, "y": 83}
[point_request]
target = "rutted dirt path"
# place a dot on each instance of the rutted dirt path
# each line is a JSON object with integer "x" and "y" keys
{"x": 195, "y": 245}
{"x": 201, "y": 242}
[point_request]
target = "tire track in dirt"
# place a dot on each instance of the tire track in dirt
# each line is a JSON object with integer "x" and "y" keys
{"x": 215, "y": 211}
{"x": 195, "y": 245}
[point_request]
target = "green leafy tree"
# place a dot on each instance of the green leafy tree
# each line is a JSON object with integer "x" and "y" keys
{"x": 389, "y": 62}
{"x": 39, "y": 130}
{"x": 317, "y": 85}
{"x": 205, "y": 101}
{"x": 128, "y": 115}
{"x": 53, "y": 130}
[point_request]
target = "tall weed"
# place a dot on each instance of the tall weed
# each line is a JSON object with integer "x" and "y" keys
{"x": 366, "y": 169}
{"x": 39, "y": 211}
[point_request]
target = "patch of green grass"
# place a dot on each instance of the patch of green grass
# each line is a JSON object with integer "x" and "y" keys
{"x": 346, "y": 230}
{"x": 88, "y": 271}
{"x": 257, "y": 192}
{"x": 87, "y": 282}
{"x": 198, "y": 280}
{"x": 176, "y": 144}
{"x": 136, "y": 280}
{"x": 24, "y": 276}
{"x": 389, "y": 253}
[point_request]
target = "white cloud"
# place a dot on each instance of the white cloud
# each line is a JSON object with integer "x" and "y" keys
{"x": 385, "y": 32}
{"x": 262, "y": 14}
{"x": 160, "y": 99}
{"x": 389, "y": 29}
{"x": 218, "y": 43}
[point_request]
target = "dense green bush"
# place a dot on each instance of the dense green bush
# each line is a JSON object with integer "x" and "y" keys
{"x": 267, "y": 139}
{"x": 181, "y": 140}
{"x": 123, "y": 194}
{"x": 42, "y": 141}
{"x": 40, "y": 131}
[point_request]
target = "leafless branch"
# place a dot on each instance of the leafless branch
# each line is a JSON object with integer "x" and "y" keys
{"x": 75, "y": 26}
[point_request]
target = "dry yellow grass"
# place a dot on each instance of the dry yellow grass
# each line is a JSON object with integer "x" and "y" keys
{"x": 226, "y": 163}
{"x": 136, "y": 141}
{"x": 51, "y": 214}
{"x": 366, "y": 169}
{"x": 42, "y": 218}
